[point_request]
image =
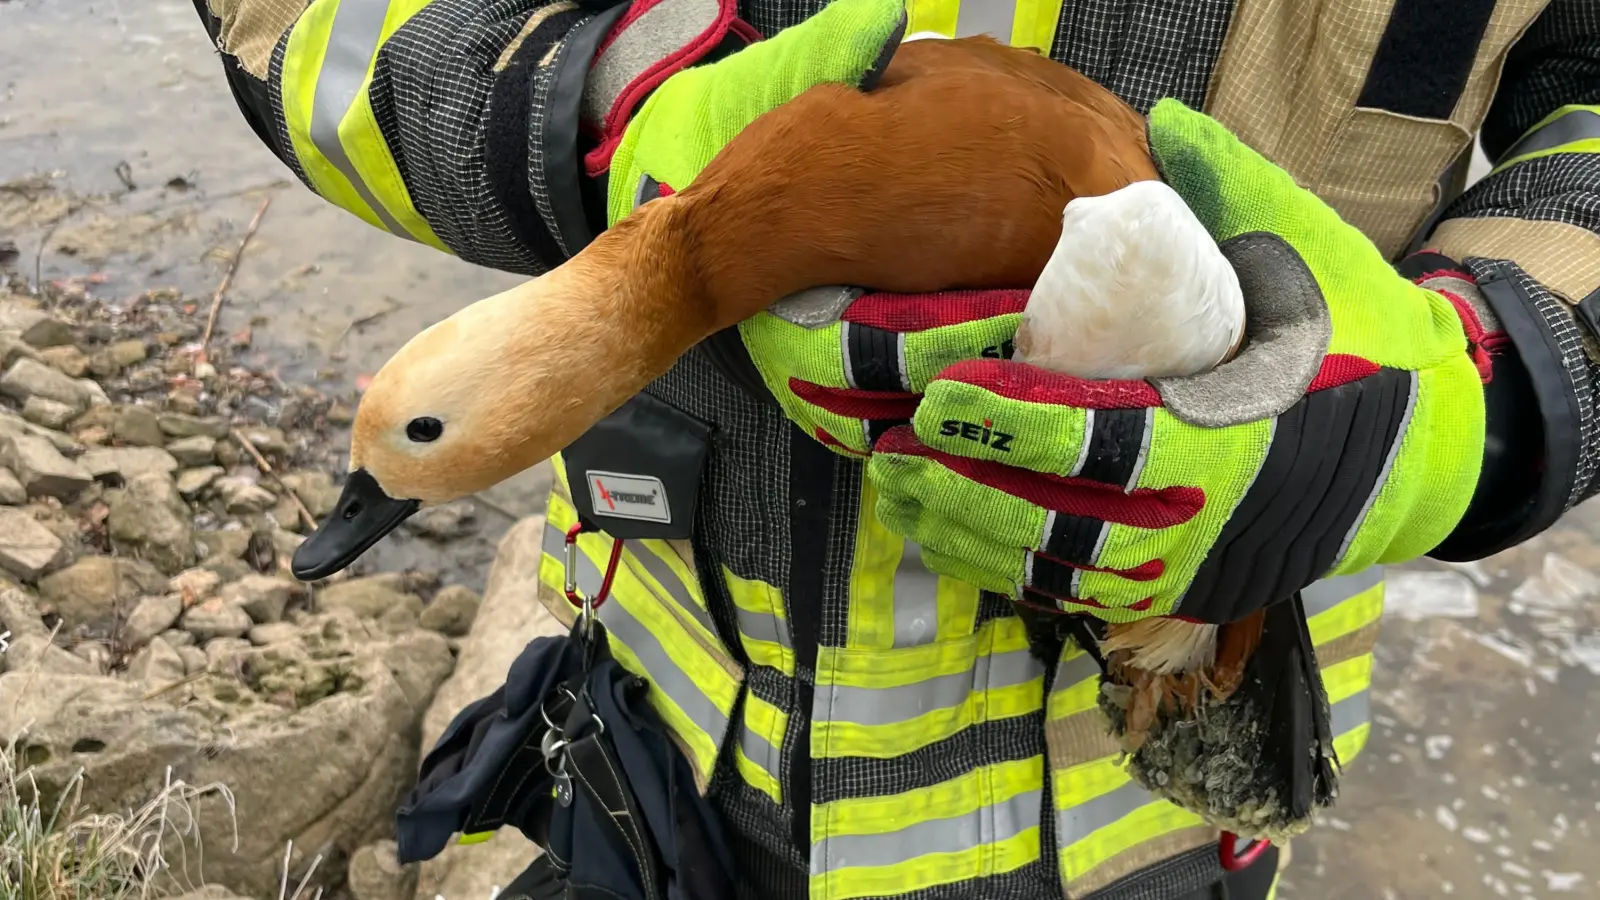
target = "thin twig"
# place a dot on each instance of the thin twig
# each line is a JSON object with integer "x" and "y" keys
{"x": 38, "y": 257}
{"x": 367, "y": 320}
{"x": 266, "y": 469}
{"x": 196, "y": 676}
{"x": 233, "y": 266}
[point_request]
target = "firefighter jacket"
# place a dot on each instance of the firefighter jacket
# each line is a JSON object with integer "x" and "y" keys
{"x": 867, "y": 728}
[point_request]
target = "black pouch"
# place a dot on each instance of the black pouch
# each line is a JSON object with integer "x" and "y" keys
{"x": 636, "y": 473}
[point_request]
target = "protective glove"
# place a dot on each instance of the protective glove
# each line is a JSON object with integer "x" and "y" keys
{"x": 847, "y": 366}
{"x": 1348, "y": 431}
{"x": 697, "y": 111}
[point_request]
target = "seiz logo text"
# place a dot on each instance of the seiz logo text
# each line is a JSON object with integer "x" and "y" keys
{"x": 1005, "y": 350}
{"x": 984, "y": 434}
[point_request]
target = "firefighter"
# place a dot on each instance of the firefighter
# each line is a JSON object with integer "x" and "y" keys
{"x": 844, "y": 666}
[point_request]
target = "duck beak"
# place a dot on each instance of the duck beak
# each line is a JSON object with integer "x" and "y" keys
{"x": 363, "y": 515}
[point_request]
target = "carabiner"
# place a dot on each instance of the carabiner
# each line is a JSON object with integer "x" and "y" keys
{"x": 1231, "y": 859}
{"x": 588, "y": 605}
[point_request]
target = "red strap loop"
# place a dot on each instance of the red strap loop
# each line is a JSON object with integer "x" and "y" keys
{"x": 572, "y": 576}
{"x": 1231, "y": 859}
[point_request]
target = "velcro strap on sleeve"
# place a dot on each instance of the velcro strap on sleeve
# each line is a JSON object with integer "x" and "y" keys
{"x": 652, "y": 42}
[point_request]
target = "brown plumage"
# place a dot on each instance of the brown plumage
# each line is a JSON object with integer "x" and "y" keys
{"x": 952, "y": 172}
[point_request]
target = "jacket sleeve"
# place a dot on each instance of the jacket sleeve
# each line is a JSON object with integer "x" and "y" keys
{"x": 1528, "y": 236}
{"x": 482, "y": 128}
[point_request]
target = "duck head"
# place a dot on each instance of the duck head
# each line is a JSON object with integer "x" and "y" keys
{"x": 896, "y": 188}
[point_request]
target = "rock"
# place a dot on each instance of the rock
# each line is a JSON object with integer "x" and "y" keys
{"x": 157, "y": 664}
{"x": 29, "y": 647}
{"x": 221, "y": 653}
{"x": 177, "y": 637}
{"x": 244, "y": 497}
{"x": 18, "y": 314}
{"x": 286, "y": 543}
{"x": 95, "y": 393}
{"x": 152, "y": 616}
{"x": 368, "y": 598}
{"x": 286, "y": 515}
{"x": 341, "y": 414}
{"x": 194, "y": 659}
{"x": 41, "y": 468}
{"x": 68, "y": 360}
{"x": 507, "y": 620}
{"x": 268, "y": 441}
{"x": 451, "y": 611}
{"x": 193, "y": 451}
{"x": 129, "y": 352}
{"x": 227, "y": 569}
{"x": 93, "y": 587}
{"x": 216, "y": 618}
{"x": 178, "y": 425}
{"x": 148, "y": 520}
{"x": 48, "y": 332}
{"x": 228, "y": 544}
{"x": 194, "y": 585}
{"x": 95, "y": 654}
{"x": 452, "y": 520}
{"x": 315, "y": 489}
{"x": 192, "y": 481}
{"x": 376, "y": 873}
{"x": 93, "y": 436}
{"x": 273, "y": 633}
{"x": 48, "y": 413}
{"x": 211, "y": 892}
{"x": 316, "y": 737}
{"x": 399, "y": 619}
{"x": 30, "y": 378}
{"x": 13, "y": 346}
{"x": 229, "y": 455}
{"x": 27, "y": 548}
{"x": 137, "y": 425}
{"x": 11, "y": 492}
{"x": 263, "y": 597}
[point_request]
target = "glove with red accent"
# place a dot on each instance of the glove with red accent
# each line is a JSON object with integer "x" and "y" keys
{"x": 847, "y": 366}
{"x": 1348, "y": 431}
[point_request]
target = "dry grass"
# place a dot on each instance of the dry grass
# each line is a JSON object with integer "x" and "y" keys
{"x": 64, "y": 851}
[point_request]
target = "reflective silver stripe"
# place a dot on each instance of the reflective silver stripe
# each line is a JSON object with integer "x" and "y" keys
{"x": 764, "y": 627}
{"x": 1383, "y": 474}
{"x": 761, "y": 751}
{"x": 1144, "y": 450}
{"x": 660, "y": 571}
{"x": 916, "y": 600}
{"x": 991, "y": 17}
{"x": 1350, "y": 713}
{"x": 352, "y": 41}
{"x": 888, "y": 706}
{"x": 1077, "y": 464}
{"x": 1578, "y": 125}
{"x": 1074, "y": 671}
{"x": 985, "y": 825}
{"x": 663, "y": 672}
{"x": 1075, "y": 823}
{"x": 844, "y": 354}
{"x": 1330, "y": 592}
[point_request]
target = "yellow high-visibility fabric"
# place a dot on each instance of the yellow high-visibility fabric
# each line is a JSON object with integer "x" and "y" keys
{"x": 1103, "y": 816}
{"x": 327, "y": 72}
{"x": 873, "y": 846}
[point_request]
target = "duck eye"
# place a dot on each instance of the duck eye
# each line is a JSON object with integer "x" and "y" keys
{"x": 424, "y": 430}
